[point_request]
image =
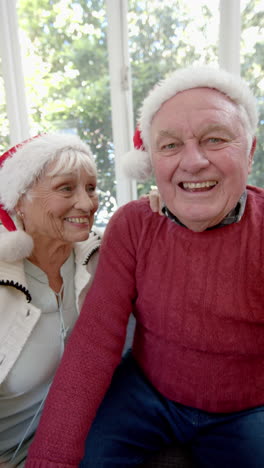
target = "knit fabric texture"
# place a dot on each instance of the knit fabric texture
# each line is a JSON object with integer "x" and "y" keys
{"x": 198, "y": 300}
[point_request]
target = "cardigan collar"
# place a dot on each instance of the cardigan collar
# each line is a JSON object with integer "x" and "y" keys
{"x": 13, "y": 274}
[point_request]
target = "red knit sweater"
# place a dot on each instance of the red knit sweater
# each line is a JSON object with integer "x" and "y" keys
{"x": 198, "y": 299}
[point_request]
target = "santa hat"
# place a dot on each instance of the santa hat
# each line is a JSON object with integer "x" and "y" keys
{"x": 19, "y": 167}
{"x": 137, "y": 163}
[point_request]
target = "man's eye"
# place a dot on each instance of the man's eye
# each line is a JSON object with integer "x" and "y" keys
{"x": 168, "y": 146}
{"x": 66, "y": 188}
{"x": 215, "y": 140}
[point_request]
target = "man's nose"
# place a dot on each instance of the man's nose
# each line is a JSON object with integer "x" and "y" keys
{"x": 193, "y": 158}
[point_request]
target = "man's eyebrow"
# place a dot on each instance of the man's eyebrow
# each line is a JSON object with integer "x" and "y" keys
{"x": 215, "y": 127}
{"x": 167, "y": 133}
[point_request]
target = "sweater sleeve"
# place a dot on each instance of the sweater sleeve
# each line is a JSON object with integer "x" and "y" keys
{"x": 92, "y": 353}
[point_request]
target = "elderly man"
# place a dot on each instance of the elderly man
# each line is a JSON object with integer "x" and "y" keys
{"x": 194, "y": 281}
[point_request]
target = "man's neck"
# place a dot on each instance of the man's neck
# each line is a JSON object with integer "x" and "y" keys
{"x": 234, "y": 216}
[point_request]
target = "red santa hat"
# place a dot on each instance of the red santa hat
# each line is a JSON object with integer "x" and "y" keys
{"x": 18, "y": 244}
{"x": 137, "y": 163}
{"x": 4, "y": 215}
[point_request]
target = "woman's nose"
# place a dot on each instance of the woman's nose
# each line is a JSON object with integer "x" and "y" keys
{"x": 84, "y": 201}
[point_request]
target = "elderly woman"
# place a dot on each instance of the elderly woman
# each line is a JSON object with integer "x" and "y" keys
{"x": 48, "y": 255}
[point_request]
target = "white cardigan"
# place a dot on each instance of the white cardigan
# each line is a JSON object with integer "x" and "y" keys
{"x": 18, "y": 316}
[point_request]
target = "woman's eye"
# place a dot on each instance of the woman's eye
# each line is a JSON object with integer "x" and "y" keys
{"x": 91, "y": 189}
{"x": 66, "y": 188}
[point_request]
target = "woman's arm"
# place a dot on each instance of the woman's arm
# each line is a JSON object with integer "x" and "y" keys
{"x": 91, "y": 355}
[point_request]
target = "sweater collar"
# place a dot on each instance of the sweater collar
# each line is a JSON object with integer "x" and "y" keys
{"x": 234, "y": 216}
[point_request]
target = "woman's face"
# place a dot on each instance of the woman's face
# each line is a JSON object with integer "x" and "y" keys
{"x": 61, "y": 207}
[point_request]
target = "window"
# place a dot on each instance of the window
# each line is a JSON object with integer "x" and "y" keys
{"x": 65, "y": 62}
{"x": 167, "y": 35}
{"x": 64, "y": 52}
{"x": 4, "y": 124}
{"x": 252, "y": 69}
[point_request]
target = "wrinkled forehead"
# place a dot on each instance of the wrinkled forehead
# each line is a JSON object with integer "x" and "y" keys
{"x": 199, "y": 106}
{"x": 197, "y": 98}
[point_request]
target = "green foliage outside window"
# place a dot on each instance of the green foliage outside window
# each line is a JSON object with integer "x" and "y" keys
{"x": 66, "y": 65}
{"x": 252, "y": 68}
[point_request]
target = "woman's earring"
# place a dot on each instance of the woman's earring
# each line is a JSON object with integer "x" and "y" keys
{"x": 20, "y": 214}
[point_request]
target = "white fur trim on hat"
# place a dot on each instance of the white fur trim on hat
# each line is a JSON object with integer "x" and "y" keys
{"x": 137, "y": 165}
{"x": 15, "y": 245}
{"x": 188, "y": 78}
{"x": 21, "y": 169}
{"x": 196, "y": 77}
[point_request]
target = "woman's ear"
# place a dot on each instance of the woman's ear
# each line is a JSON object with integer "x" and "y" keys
{"x": 19, "y": 208}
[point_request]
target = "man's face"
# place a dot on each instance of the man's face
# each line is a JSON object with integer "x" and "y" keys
{"x": 201, "y": 156}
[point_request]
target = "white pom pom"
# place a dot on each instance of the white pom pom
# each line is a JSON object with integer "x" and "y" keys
{"x": 136, "y": 164}
{"x": 15, "y": 245}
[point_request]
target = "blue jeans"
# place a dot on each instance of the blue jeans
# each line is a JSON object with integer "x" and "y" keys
{"x": 134, "y": 421}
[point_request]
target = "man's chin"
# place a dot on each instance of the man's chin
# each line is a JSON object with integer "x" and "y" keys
{"x": 198, "y": 224}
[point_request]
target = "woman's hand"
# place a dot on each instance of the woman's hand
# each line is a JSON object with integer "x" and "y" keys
{"x": 6, "y": 465}
{"x": 155, "y": 200}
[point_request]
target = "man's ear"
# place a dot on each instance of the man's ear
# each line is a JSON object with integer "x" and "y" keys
{"x": 251, "y": 154}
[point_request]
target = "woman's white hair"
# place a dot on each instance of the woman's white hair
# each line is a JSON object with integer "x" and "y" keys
{"x": 30, "y": 161}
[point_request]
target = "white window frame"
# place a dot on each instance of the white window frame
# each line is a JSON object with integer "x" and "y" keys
{"x": 12, "y": 73}
{"x": 120, "y": 75}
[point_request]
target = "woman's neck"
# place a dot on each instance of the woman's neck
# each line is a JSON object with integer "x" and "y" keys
{"x": 50, "y": 255}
